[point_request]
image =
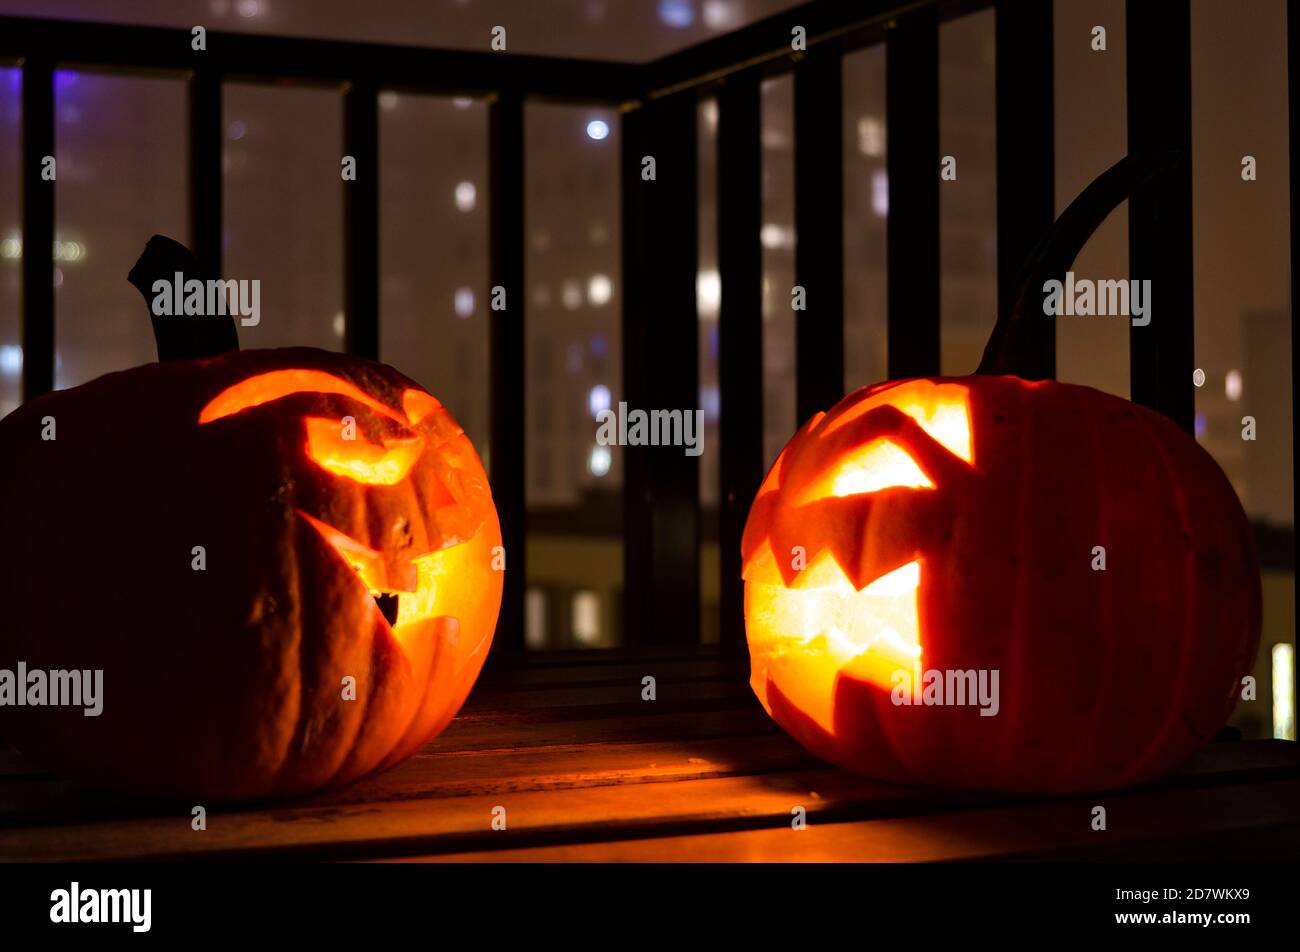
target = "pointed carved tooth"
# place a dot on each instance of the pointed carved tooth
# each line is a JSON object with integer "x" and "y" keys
{"x": 759, "y": 524}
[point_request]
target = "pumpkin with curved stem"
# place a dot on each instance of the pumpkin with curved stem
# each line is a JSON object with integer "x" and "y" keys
{"x": 291, "y": 581}
{"x": 944, "y": 533}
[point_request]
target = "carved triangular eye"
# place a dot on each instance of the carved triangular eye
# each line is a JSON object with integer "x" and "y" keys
{"x": 350, "y": 455}
{"x": 865, "y": 453}
{"x": 876, "y": 466}
{"x": 357, "y": 458}
{"x": 941, "y": 409}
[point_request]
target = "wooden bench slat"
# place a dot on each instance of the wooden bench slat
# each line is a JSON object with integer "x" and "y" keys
{"x": 466, "y": 773}
{"x": 1039, "y": 829}
{"x": 406, "y": 825}
{"x": 479, "y": 733}
{"x": 437, "y": 774}
{"x": 530, "y": 718}
{"x": 612, "y": 811}
{"x": 626, "y": 692}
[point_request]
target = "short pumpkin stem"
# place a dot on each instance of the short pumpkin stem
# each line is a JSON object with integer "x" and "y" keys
{"x": 180, "y": 336}
{"x": 1011, "y": 348}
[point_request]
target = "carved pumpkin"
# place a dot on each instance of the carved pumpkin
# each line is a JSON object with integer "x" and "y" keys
{"x": 925, "y": 534}
{"x": 244, "y": 544}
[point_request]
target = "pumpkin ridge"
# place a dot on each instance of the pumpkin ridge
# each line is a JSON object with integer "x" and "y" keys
{"x": 1177, "y": 695}
{"x": 348, "y": 767}
{"x": 408, "y": 740}
{"x": 294, "y": 748}
{"x": 1103, "y": 616}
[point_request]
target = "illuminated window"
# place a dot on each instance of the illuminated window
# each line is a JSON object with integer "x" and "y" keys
{"x": 586, "y": 618}
{"x": 1284, "y": 692}
{"x": 534, "y": 618}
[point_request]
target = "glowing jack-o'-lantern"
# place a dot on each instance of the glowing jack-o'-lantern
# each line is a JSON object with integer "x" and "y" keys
{"x": 286, "y": 563}
{"x": 999, "y": 583}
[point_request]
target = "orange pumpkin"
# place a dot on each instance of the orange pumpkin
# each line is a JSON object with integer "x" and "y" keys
{"x": 285, "y": 562}
{"x": 998, "y": 583}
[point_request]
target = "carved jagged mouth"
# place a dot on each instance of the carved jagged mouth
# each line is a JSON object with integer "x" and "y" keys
{"x": 806, "y": 638}
{"x": 828, "y": 616}
{"x": 387, "y": 607}
{"x": 397, "y": 607}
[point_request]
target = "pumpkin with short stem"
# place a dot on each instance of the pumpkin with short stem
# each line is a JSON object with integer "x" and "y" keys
{"x": 286, "y": 563}
{"x": 924, "y": 537}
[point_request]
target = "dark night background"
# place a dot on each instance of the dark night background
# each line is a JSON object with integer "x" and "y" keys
{"x": 120, "y": 144}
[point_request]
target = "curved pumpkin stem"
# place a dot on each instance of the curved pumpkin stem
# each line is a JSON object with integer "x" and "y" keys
{"x": 1010, "y": 349}
{"x": 180, "y": 336}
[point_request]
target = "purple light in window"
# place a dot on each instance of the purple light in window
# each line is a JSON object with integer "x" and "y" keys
{"x": 710, "y": 403}
{"x": 713, "y": 341}
{"x": 11, "y": 360}
{"x": 1200, "y": 425}
{"x": 880, "y": 193}
{"x": 599, "y": 345}
{"x": 676, "y": 13}
{"x": 64, "y": 79}
{"x": 598, "y": 400}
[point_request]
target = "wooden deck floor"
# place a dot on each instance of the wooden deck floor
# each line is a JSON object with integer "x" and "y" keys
{"x": 588, "y": 771}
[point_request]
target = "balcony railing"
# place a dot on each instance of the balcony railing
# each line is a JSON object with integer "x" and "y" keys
{"x": 659, "y": 220}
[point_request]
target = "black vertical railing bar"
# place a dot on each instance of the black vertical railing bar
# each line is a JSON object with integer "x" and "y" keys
{"x": 205, "y": 185}
{"x": 633, "y": 141}
{"x": 506, "y": 345}
{"x": 38, "y": 183}
{"x": 1293, "y": 128}
{"x": 1026, "y": 155}
{"x": 1160, "y": 219}
{"x": 740, "y": 336}
{"x": 661, "y": 580}
{"x": 361, "y": 218}
{"x": 912, "y": 166}
{"x": 637, "y": 552}
{"x": 819, "y": 232}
